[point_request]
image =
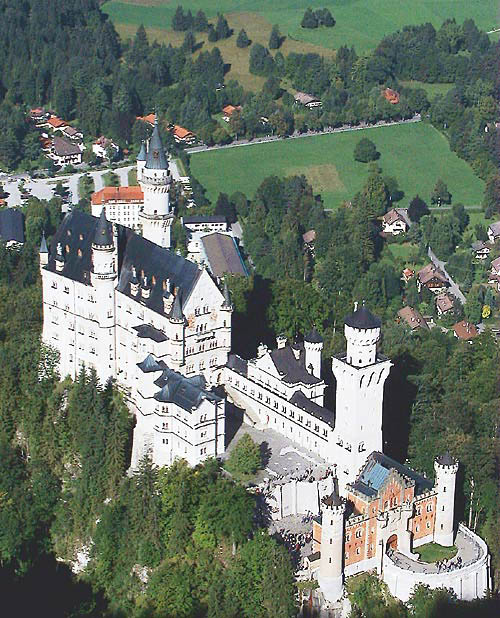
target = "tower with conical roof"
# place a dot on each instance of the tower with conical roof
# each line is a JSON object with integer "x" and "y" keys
{"x": 331, "y": 569}
{"x": 156, "y": 217}
{"x": 44, "y": 252}
{"x": 141, "y": 160}
{"x": 360, "y": 374}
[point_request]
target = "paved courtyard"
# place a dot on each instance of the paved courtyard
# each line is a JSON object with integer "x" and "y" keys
{"x": 282, "y": 457}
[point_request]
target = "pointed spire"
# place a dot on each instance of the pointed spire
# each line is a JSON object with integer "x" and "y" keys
{"x": 156, "y": 158}
{"x": 177, "y": 314}
{"x": 43, "y": 244}
{"x": 142, "y": 153}
{"x": 103, "y": 235}
{"x": 227, "y": 296}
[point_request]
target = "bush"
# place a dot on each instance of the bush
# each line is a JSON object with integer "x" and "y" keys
{"x": 365, "y": 151}
{"x": 309, "y": 20}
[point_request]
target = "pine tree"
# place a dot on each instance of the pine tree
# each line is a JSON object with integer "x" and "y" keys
{"x": 179, "y": 20}
{"x": 222, "y": 28}
{"x": 189, "y": 42}
{"x": 309, "y": 20}
{"x": 275, "y": 38}
{"x": 441, "y": 195}
{"x": 200, "y": 23}
{"x": 212, "y": 34}
{"x": 242, "y": 40}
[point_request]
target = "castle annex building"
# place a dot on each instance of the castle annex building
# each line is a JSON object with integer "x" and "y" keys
{"x": 110, "y": 299}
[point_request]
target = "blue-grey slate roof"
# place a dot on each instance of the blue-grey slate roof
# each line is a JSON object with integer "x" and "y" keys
{"x": 185, "y": 392}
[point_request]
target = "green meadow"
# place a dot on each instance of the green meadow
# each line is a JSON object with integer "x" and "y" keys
{"x": 416, "y": 154}
{"x": 361, "y": 23}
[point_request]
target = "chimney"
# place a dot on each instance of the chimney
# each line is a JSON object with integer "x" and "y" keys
{"x": 281, "y": 341}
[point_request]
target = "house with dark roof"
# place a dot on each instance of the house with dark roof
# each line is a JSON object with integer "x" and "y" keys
{"x": 481, "y": 249}
{"x": 493, "y": 231}
{"x": 307, "y": 100}
{"x": 12, "y": 227}
{"x": 433, "y": 278}
{"x": 64, "y": 152}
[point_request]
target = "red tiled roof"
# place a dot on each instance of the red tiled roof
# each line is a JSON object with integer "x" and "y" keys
{"x": 429, "y": 272}
{"x": 150, "y": 119}
{"x": 444, "y": 302}
{"x": 121, "y": 194}
{"x": 413, "y": 318}
{"x": 56, "y": 122}
{"x": 465, "y": 330}
{"x": 228, "y": 110}
{"x": 181, "y": 132}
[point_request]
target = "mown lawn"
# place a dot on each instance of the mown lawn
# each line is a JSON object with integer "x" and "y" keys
{"x": 432, "y": 552}
{"x": 416, "y": 154}
{"x": 361, "y": 23}
{"x": 431, "y": 89}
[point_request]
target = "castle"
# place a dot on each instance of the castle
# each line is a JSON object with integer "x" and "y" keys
{"x": 117, "y": 300}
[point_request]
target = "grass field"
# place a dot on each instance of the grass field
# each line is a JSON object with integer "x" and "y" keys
{"x": 361, "y": 23}
{"x": 432, "y": 552}
{"x": 416, "y": 154}
{"x": 431, "y": 89}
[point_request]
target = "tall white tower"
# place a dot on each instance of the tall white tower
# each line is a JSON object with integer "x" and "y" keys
{"x": 103, "y": 278}
{"x": 360, "y": 375}
{"x": 446, "y": 469}
{"x": 157, "y": 217}
{"x": 330, "y": 576}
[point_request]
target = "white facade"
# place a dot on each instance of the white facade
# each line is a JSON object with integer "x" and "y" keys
{"x": 180, "y": 419}
{"x": 110, "y": 300}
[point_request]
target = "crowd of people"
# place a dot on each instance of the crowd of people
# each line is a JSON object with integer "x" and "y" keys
{"x": 294, "y": 542}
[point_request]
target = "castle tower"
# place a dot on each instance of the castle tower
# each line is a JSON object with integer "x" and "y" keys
{"x": 446, "y": 469}
{"x": 331, "y": 571}
{"x": 360, "y": 376}
{"x": 44, "y": 252}
{"x": 141, "y": 161}
{"x": 103, "y": 277}
{"x": 156, "y": 217}
{"x": 313, "y": 346}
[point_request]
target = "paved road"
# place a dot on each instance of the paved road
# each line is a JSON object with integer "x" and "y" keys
{"x": 453, "y": 289}
{"x": 275, "y": 138}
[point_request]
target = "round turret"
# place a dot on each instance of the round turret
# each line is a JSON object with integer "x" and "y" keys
{"x": 331, "y": 572}
{"x": 446, "y": 468}
{"x": 362, "y": 332}
{"x": 313, "y": 346}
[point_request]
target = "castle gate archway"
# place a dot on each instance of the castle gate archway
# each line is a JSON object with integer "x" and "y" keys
{"x": 392, "y": 543}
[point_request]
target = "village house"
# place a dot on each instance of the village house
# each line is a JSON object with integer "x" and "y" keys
{"x": 391, "y": 96}
{"x": 495, "y": 266}
{"x": 228, "y": 111}
{"x": 481, "y": 249}
{"x": 465, "y": 330}
{"x": 432, "y": 278}
{"x": 102, "y": 146}
{"x": 493, "y": 231}
{"x": 182, "y": 135}
{"x": 63, "y": 152}
{"x": 55, "y": 124}
{"x": 407, "y": 274}
{"x": 395, "y": 221}
{"x": 307, "y": 100}
{"x": 72, "y": 133}
{"x": 444, "y": 304}
{"x": 38, "y": 116}
{"x": 412, "y": 318}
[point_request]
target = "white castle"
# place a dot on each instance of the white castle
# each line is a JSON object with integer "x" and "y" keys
{"x": 125, "y": 305}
